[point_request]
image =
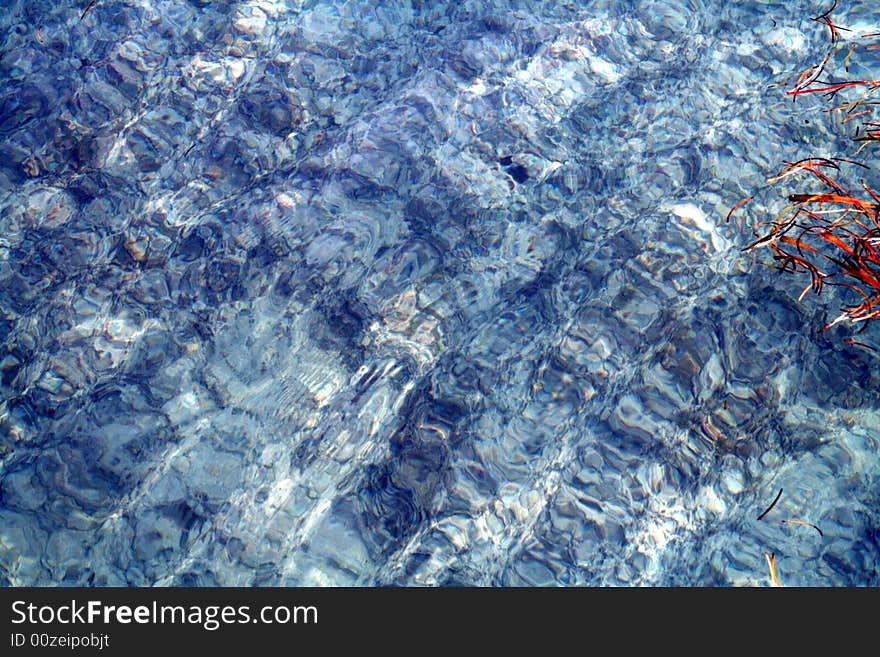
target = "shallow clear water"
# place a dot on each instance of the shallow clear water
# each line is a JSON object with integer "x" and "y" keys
{"x": 357, "y": 293}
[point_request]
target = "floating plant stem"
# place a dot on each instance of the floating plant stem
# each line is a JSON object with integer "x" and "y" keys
{"x": 825, "y": 19}
{"x": 804, "y": 523}
{"x": 738, "y": 205}
{"x": 772, "y": 504}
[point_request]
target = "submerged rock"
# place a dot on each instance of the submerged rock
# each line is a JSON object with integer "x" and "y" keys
{"x": 357, "y": 293}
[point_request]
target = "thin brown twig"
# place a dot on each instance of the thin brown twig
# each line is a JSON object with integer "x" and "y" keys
{"x": 771, "y": 564}
{"x": 772, "y": 504}
{"x": 88, "y": 7}
{"x": 804, "y": 523}
{"x": 738, "y": 205}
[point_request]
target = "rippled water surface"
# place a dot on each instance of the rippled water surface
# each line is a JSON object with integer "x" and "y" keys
{"x": 421, "y": 293}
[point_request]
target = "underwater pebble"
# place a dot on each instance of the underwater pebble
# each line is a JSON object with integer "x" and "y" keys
{"x": 733, "y": 483}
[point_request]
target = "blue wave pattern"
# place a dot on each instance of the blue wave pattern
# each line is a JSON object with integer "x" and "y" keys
{"x": 357, "y": 293}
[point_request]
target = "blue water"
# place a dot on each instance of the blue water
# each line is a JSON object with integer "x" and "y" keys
{"x": 358, "y": 293}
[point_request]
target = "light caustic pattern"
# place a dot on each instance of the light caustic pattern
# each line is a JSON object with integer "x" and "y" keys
{"x": 414, "y": 293}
